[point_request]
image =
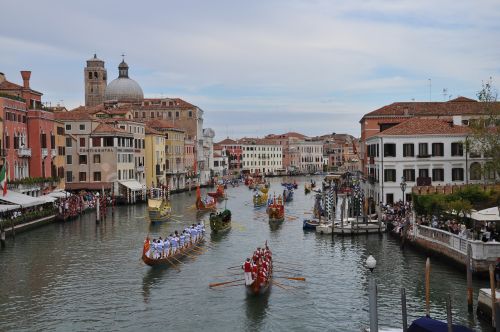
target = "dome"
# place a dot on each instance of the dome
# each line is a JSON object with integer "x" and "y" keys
{"x": 123, "y": 89}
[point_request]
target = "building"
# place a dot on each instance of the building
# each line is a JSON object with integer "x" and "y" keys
{"x": 291, "y": 154}
{"x": 206, "y": 166}
{"x": 190, "y": 159}
{"x": 341, "y": 152}
{"x": 310, "y": 153}
{"x": 155, "y": 158}
{"x": 233, "y": 152}
{"x": 220, "y": 161}
{"x": 390, "y": 115}
{"x": 426, "y": 152}
{"x": 262, "y": 156}
{"x": 95, "y": 80}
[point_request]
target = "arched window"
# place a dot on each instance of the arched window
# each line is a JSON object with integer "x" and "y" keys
{"x": 475, "y": 171}
{"x": 90, "y": 75}
{"x": 95, "y": 75}
{"x": 489, "y": 171}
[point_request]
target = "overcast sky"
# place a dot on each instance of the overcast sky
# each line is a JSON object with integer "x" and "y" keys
{"x": 258, "y": 67}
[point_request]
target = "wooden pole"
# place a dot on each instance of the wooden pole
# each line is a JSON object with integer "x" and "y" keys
{"x": 470, "y": 291}
{"x": 427, "y": 286}
{"x": 403, "y": 309}
{"x": 97, "y": 214}
{"x": 493, "y": 294}
{"x": 448, "y": 314}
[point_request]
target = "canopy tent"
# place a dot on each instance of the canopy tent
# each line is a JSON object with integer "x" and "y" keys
{"x": 132, "y": 185}
{"x": 5, "y": 207}
{"x": 427, "y": 324}
{"x": 13, "y": 197}
{"x": 490, "y": 214}
{"x": 59, "y": 193}
{"x": 47, "y": 198}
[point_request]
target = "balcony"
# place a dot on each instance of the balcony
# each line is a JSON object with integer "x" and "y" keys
{"x": 423, "y": 155}
{"x": 53, "y": 153}
{"x": 45, "y": 152}
{"x": 24, "y": 152}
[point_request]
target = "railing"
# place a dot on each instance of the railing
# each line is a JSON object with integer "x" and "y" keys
{"x": 480, "y": 250}
{"x": 53, "y": 153}
{"x": 45, "y": 152}
{"x": 24, "y": 152}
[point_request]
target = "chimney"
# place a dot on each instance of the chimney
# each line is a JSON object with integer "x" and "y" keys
{"x": 26, "y": 74}
{"x": 2, "y": 77}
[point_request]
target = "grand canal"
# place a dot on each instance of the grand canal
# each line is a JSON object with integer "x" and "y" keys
{"x": 80, "y": 275}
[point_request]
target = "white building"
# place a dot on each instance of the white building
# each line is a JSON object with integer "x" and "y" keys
{"x": 423, "y": 151}
{"x": 221, "y": 163}
{"x": 310, "y": 155}
{"x": 207, "y": 165}
{"x": 262, "y": 156}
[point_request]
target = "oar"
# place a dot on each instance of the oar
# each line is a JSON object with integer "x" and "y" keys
{"x": 223, "y": 283}
{"x": 280, "y": 285}
{"x": 227, "y": 275}
{"x": 292, "y": 278}
{"x": 186, "y": 254}
{"x": 178, "y": 261}
{"x": 234, "y": 267}
{"x": 174, "y": 265}
{"x": 224, "y": 286}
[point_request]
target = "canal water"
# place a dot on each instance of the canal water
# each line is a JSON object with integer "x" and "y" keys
{"x": 81, "y": 276}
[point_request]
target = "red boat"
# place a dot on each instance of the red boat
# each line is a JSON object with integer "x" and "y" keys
{"x": 219, "y": 193}
{"x": 207, "y": 204}
{"x": 262, "y": 281}
{"x": 276, "y": 210}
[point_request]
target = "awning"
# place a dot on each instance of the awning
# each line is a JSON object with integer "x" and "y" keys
{"x": 490, "y": 214}
{"x": 47, "y": 198}
{"x": 5, "y": 208}
{"x": 132, "y": 185}
{"x": 59, "y": 193}
{"x": 21, "y": 199}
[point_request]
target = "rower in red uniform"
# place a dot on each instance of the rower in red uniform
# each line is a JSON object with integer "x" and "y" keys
{"x": 247, "y": 268}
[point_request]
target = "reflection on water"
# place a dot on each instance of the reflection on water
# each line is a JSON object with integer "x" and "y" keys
{"x": 256, "y": 310}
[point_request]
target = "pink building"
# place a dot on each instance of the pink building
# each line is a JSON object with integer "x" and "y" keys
{"x": 42, "y": 141}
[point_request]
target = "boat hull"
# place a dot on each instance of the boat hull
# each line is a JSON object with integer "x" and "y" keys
{"x": 309, "y": 224}
{"x": 173, "y": 259}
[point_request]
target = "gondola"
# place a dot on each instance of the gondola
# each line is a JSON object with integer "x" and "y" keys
{"x": 307, "y": 189}
{"x": 171, "y": 259}
{"x": 219, "y": 193}
{"x": 221, "y": 221}
{"x": 276, "y": 210}
{"x": 288, "y": 194}
{"x": 261, "y": 285}
{"x": 159, "y": 208}
{"x": 206, "y": 204}
{"x": 309, "y": 224}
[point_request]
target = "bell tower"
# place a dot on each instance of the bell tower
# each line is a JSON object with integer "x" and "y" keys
{"x": 96, "y": 78}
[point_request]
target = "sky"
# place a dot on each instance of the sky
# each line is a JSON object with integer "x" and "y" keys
{"x": 260, "y": 67}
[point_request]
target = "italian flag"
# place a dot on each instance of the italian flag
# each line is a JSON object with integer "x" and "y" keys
{"x": 3, "y": 179}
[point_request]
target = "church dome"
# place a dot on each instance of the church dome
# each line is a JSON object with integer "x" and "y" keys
{"x": 123, "y": 89}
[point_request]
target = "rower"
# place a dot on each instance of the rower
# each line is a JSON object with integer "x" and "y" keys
{"x": 174, "y": 244}
{"x": 188, "y": 237}
{"x": 182, "y": 238}
{"x": 166, "y": 247}
{"x": 247, "y": 268}
{"x": 160, "y": 247}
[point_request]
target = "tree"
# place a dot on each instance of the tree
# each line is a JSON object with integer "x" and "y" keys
{"x": 485, "y": 131}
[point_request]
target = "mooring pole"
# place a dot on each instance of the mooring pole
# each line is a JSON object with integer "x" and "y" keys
{"x": 493, "y": 294}
{"x": 97, "y": 205}
{"x": 427, "y": 286}
{"x": 2, "y": 235}
{"x": 470, "y": 291}
{"x": 403, "y": 310}
{"x": 373, "y": 304}
{"x": 448, "y": 314}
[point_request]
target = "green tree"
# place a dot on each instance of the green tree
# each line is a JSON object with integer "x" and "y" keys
{"x": 485, "y": 131}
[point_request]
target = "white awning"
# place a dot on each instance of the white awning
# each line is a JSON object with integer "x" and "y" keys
{"x": 4, "y": 207}
{"x": 132, "y": 185}
{"x": 490, "y": 214}
{"x": 59, "y": 193}
{"x": 21, "y": 199}
{"x": 47, "y": 198}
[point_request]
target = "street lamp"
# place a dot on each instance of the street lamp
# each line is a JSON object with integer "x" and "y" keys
{"x": 403, "y": 187}
{"x": 372, "y": 294}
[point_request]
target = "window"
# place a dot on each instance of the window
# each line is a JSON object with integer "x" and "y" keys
{"x": 457, "y": 174}
{"x": 437, "y": 149}
{"x": 389, "y": 175}
{"x": 408, "y": 150}
{"x": 96, "y": 141}
{"x": 90, "y": 75}
{"x": 16, "y": 142}
{"x": 97, "y": 159}
{"x": 82, "y": 142}
{"x": 82, "y": 127}
{"x": 82, "y": 159}
{"x": 68, "y": 127}
{"x": 457, "y": 149}
{"x": 69, "y": 159}
{"x": 69, "y": 176}
{"x": 190, "y": 114}
{"x": 108, "y": 141}
{"x": 61, "y": 150}
{"x": 176, "y": 114}
{"x": 422, "y": 150}
{"x": 489, "y": 171}
{"x": 7, "y": 142}
{"x": 438, "y": 174}
{"x": 475, "y": 171}
{"x": 69, "y": 143}
{"x": 389, "y": 150}
{"x": 97, "y": 176}
{"x": 60, "y": 131}
{"x": 52, "y": 141}
{"x": 409, "y": 175}
{"x": 43, "y": 140}
{"x": 389, "y": 198}
{"x": 423, "y": 173}
{"x": 82, "y": 177}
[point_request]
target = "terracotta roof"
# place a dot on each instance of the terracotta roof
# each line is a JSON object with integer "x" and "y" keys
{"x": 6, "y": 85}
{"x": 73, "y": 115}
{"x": 419, "y": 126}
{"x": 104, "y": 128}
{"x": 177, "y": 103}
{"x": 151, "y": 131}
{"x": 226, "y": 141}
{"x": 458, "y": 106}
{"x": 162, "y": 124}
{"x": 286, "y": 135}
{"x": 256, "y": 141}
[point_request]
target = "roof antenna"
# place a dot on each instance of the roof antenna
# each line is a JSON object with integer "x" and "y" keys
{"x": 445, "y": 93}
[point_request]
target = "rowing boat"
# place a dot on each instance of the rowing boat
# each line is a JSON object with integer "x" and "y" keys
{"x": 261, "y": 284}
{"x": 220, "y": 222}
{"x": 159, "y": 208}
{"x": 276, "y": 210}
{"x": 171, "y": 259}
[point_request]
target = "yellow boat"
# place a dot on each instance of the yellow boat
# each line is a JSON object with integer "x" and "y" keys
{"x": 259, "y": 199}
{"x": 159, "y": 208}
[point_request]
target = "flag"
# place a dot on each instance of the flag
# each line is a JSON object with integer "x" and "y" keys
{"x": 3, "y": 178}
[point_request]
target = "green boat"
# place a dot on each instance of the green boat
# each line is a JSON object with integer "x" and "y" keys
{"x": 220, "y": 221}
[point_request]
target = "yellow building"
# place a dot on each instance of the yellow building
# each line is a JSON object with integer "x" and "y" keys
{"x": 59, "y": 152}
{"x": 174, "y": 150}
{"x": 154, "y": 158}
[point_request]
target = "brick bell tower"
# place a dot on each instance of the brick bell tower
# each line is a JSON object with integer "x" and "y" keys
{"x": 96, "y": 78}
